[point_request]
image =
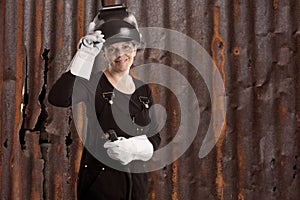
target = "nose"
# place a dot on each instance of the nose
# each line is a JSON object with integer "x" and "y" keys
{"x": 119, "y": 52}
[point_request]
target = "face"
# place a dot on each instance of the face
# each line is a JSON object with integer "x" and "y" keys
{"x": 120, "y": 55}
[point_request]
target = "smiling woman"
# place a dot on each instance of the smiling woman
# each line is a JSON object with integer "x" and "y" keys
{"x": 105, "y": 173}
{"x": 120, "y": 57}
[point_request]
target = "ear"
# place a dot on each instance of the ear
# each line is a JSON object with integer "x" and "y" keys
{"x": 103, "y": 54}
{"x": 135, "y": 51}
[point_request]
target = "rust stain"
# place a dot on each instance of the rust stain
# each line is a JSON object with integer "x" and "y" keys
{"x": 241, "y": 196}
{"x": 2, "y": 55}
{"x": 15, "y": 161}
{"x": 275, "y": 4}
{"x": 59, "y": 148}
{"x": 220, "y": 179}
{"x": 35, "y": 70}
{"x": 283, "y": 109}
{"x": 38, "y": 35}
{"x": 78, "y": 154}
{"x": 285, "y": 46}
{"x": 236, "y": 51}
{"x": 110, "y": 2}
{"x": 19, "y": 66}
{"x": 218, "y": 55}
{"x": 155, "y": 181}
{"x": 175, "y": 180}
{"x": 20, "y": 184}
{"x": 59, "y": 25}
{"x": 218, "y": 45}
{"x": 58, "y": 192}
{"x": 241, "y": 165}
{"x": 153, "y": 195}
{"x": 36, "y": 175}
{"x": 2, "y": 52}
{"x": 80, "y": 17}
{"x": 236, "y": 8}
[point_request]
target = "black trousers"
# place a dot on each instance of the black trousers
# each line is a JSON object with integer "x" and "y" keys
{"x": 111, "y": 184}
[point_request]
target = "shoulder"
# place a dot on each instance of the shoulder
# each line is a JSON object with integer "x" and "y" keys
{"x": 92, "y": 82}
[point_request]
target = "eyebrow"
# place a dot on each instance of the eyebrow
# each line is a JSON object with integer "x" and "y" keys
{"x": 125, "y": 43}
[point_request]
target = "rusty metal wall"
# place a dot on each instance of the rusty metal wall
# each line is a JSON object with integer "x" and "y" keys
{"x": 255, "y": 45}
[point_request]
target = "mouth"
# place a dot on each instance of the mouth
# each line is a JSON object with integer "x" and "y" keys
{"x": 121, "y": 60}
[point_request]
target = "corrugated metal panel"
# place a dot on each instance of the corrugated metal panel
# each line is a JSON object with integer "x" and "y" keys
{"x": 255, "y": 45}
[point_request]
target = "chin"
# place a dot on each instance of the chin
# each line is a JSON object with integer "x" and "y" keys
{"x": 124, "y": 66}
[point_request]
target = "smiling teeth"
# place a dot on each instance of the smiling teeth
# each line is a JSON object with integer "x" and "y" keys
{"x": 121, "y": 61}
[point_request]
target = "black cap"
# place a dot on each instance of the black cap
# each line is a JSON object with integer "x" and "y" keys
{"x": 117, "y": 30}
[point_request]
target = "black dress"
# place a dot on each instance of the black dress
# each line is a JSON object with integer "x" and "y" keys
{"x": 111, "y": 109}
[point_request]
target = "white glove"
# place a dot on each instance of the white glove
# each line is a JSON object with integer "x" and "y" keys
{"x": 127, "y": 150}
{"x": 88, "y": 48}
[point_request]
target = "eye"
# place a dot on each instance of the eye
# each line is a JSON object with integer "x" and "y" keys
{"x": 110, "y": 49}
{"x": 127, "y": 47}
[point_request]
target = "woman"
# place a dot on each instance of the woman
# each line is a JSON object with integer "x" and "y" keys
{"x": 106, "y": 165}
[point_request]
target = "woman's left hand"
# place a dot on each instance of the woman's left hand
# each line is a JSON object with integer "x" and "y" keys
{"x": 126, "y": 150}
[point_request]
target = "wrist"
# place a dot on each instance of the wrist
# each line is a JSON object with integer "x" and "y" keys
{"x": 144, "y": 148}
{"x": 82, "y": 65}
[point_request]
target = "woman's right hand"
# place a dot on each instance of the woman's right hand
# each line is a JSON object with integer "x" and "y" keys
{"x": 89, "y": 47}
{"x": 92, "y": 42}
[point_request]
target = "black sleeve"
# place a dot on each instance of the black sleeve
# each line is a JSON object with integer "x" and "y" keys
{"x": 61, "y": 92}
{"x": 155, "y": 141}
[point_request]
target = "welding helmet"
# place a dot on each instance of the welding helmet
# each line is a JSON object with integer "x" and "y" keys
{"x": 117, "y": 25}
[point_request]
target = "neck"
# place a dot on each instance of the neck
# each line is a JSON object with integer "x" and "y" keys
{"x": 117, "y": 77}
{"x": 121, "y": 81}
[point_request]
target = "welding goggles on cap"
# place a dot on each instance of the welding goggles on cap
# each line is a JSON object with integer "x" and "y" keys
{"x": 117, "y": 25}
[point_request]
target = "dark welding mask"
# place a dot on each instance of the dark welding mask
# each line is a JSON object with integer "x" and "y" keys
{"x": 117, "y": 25}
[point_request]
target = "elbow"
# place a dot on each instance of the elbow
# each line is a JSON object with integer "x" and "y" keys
{"x": 155, "y": 140}
{"x": 58, "y": 100}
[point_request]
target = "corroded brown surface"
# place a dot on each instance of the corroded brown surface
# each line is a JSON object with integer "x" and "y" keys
{"x": 255, "y": 46}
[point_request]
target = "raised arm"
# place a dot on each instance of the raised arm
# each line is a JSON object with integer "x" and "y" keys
{"x": 61, "y": 93}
